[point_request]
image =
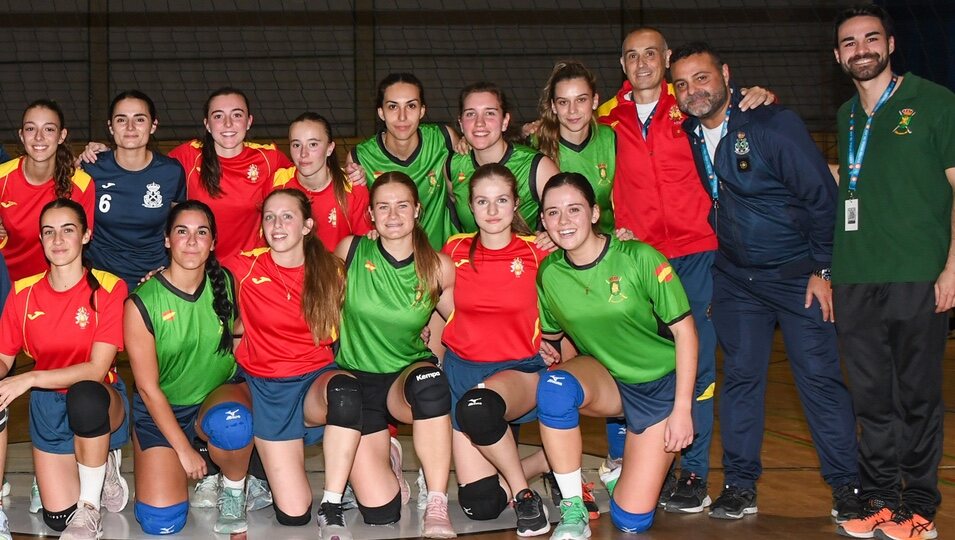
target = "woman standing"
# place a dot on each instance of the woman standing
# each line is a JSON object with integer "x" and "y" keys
{"x": 393, "y": 286}
{"x": 45, "y": 172}
{"x": 340, "y": 207}
{"x": 416, "y": 149}
{"x": 227, "y": 173}
{"x": 484, "y": 118}
{"x": 69, "y": 319}
{"x": 137, "y": 188}
{"x": 611, "y": 297}
{"x": 186, "y": 384}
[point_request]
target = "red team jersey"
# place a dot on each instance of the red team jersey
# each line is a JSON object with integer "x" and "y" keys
{"x": 246, "y": 180}
{"x": 495, "y": 314}
{"x": 58, "y": 329}
{"x": 331, "y": 220}
{"x": 20, "y": 205}
{"x": 277, "y": 341}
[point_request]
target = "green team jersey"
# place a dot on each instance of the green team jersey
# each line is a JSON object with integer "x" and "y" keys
{"x": 186, "y": 332}
{"x": 521, "y": 160}
{"x": 384, "y": 311}
{"x": 596, "y": 160}
{"x": 424, "y": 166}
{"x": 617, "y": 308}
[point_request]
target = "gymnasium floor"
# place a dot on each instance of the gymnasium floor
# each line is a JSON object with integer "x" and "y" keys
{"x": 793, "y": 500}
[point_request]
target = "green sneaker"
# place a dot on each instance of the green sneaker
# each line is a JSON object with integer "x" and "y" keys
{"x": 574, "y": 521}
{"x": 231, "y": 511}
{"x": 609, "y": 478}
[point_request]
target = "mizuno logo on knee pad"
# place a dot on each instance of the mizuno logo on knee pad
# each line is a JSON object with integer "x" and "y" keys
{"x": 475, "y": 401}
{"x": 232, "y": 415}
{"x": 554, "y": 379}
{"x": 426, "y": 376}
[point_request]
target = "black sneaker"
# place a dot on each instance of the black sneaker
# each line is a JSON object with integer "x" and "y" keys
{"x": 669, "y": 486}
{"x": 551, "y": 482}
{"x": 531, "y": 514}
{"x": 690, "y": 496}
{"x": 846, "y": 503}
{"x": 331, "y": 522}
{"x": 734, "y": 503}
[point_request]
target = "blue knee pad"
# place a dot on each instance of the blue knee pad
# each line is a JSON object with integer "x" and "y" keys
{"x": 630, "y": 523}
{"x": 228, "y": 425}
{"x": 559, "y": 396}
{"x": 165, "y": 520}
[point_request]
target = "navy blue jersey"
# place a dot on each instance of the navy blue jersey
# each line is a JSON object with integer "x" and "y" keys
{"x": 131, "y": 212}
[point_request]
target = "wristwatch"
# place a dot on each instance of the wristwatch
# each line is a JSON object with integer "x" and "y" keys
{"x": 824, "y": 273}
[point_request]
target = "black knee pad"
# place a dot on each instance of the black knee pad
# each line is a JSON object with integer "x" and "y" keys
{"x": 480, "y": 414}
{"x": 292, "y": 521}
{"x": 57, "y": 520}
{"x": 344, "y": 402}
{"x": 484, "y": 499}
{"x": 3, "y": 419}
{"x": 427, "y": 390}
{"x": 87, "y": 409}
{"x": 382, "y": 515}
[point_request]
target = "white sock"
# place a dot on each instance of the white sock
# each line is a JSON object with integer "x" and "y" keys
{"x": 442, "y": 496}
{"x": 332, "y": 497}
{"x": 91, "y": 483}
{"x": 233, "y": 484}
{"x": 569, "y": 484}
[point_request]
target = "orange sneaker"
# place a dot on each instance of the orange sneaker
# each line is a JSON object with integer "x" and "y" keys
{"x": 905, "y": 525}
{"x": 865, "y": 526}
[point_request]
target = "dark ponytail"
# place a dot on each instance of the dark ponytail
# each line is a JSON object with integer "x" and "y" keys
{"x": 63, "y": 168}
{"x": 210, "y": 174}
{"x": 339, "y": 179}
{"x": 222, "y": 303}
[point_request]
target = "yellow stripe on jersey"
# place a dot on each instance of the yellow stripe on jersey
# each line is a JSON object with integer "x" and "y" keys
{"x": 195, "y": 143}
{"x": 27, "y": 282}
{"x": 254, "y": 253}
{"x": 607, "y": 106}
{"x": 708, "y": 393}
{"x": 106, "y": 280}
{"x": 82, "y": 180}
{"x": 10, "y": 166}
{"x": 260, "y": 146}
{"x": 283, "y": 177}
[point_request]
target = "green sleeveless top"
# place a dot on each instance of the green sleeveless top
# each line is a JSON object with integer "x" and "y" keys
{"x": 424, "y": 167}
{"x": 186, "y": 332}
{"x": 521, "y": 160}
{"x": 596, "y": 160}
{"x": 384, "y": 311}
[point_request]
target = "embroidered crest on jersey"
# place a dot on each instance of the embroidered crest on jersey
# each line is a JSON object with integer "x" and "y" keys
{"x": 168, "y": 315}
{"x": 517, "y": 266}
{"x": 664, "y": 272}
{"x": 616, "y": 294}
{"x": 152, "y": 198}
{"x": 253, "y": 173}
{"x": 370, "y": 266}
{"x": 602, "y": 169}
{"x": 432, "y": 181}
{"x": 418, "y": 295}
{"x": 903, "y": 127}
{"x": 82, "y": 317}
{"x": 742, "y": 145}
{"x": 333, "y": 218}
{"x": 461, "y": 177}
{"x": 376, "y": 174}
{"x": 675, "y": 114}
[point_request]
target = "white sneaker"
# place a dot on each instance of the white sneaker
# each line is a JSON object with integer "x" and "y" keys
{"x": 35, "y": 504}
{"x": 331, "y": 522}
{"x": 5, "y": 490}
{"x": 115, "y": 489}
{"x": 4, "y": 526}
{"x": 206, "y": 492}
{"x": 257, "y": 494}
{"x": 422, "y": 490}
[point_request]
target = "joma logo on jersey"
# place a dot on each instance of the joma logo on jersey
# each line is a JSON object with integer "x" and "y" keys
{"x": 462, "y": 262}
{"x": 8, "y": 204}
{"x": 426, "y": 376}
{"x": 555, "y": 379}
{"x": 260, "y": 280}
{"x": 33, "y": 316}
